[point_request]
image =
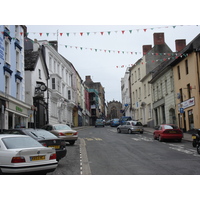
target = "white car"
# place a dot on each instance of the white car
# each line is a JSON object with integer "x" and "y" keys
{"x": 22, "y": 154}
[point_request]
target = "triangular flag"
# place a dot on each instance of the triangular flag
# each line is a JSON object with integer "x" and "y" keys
{"x": 40, "y": 34}
{"x": 66, "y": 46}
{"x": 61, "y": 34}
{"x": 67, "y": 34}
{"x": 123, "y": 32}
{"x": 109, "y": 32}
{"x": 81, "y": 33}
{"x": 130, "y": 31}
{"x": 145, "y": 30}
{"x": 47, "y": 34}
{"x": 102, "y": 33}
{"x": 88, "y": 33}
{"x": 21, "y": 33}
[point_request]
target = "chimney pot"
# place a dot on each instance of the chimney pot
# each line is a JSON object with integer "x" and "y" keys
{"x": 159, "y": 38}
{"x": 146, "y": 48}
{"x": 180, "y": 44}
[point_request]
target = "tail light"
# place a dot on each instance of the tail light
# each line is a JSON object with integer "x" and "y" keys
{"x": 61, "y": 134}
{"x": 76, "y": 133}
{"x": 44, "y": 144}
{"x": 18, "y": 159}
{"x": 52, "y": 156}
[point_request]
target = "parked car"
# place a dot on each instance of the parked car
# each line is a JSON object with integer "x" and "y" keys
{"x": 99, "y": 122}
{"x": 114, "y": 122}
{"x": 168, "y": 131}
{"x": 63, "y": 131}
{"x": 107, "y": 123}
{"x": 21, "y": 154}
{"x": 131, "y": 127}
{"x": 46, "y": 138}
{"x": 123, "y": 119}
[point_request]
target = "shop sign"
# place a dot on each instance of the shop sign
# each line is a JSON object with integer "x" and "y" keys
{"x": 19, "y": 109}
{"x": 186, "y": 104}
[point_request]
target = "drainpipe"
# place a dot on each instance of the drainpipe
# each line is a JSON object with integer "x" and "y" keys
{"x": 198, "y": 70}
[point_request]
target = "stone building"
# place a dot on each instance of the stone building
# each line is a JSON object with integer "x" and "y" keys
{"x": 114, "y": 109}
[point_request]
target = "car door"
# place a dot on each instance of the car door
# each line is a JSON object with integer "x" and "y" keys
{"x": 158, "y": 131}
{"x": 123, "y": 127}
{"x": 127, "y": 126}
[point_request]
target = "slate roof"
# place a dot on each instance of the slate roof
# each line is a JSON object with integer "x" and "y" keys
{"x": 31, "y": 59}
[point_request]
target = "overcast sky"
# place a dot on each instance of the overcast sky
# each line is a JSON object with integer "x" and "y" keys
{"x": 105, "y": 51}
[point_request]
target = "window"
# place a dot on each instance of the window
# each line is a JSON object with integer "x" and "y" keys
{"x": 139, "y": 93}
{"x": 189, "y": 91}
{"x": 181, "y": 95}
{"x": 7, "y": 84}
{"x": 69, "y": 95}
{"x": 149, "y": 110}
{"x": 18, "y": 89}
{"x": 53, "y": 83}
{"x": 17, "y": 32}
{"x": 39, "y": 73}
{"x": 50, "y": 63}
{"x": 161, "y": 90}
{"x": 17, "y": 60}
{"x": 138, "y": 73}
{"x": 7, "y": 51}
{"x": 166, "y": 92}
{"x": 144, "y": 90}
{"x": 186, "y": 67}
{"x": 178, "y": 71}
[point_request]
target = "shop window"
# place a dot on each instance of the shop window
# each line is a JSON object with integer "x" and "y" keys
{"x": 191, "y": 119}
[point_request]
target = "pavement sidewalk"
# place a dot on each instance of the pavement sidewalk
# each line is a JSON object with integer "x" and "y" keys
{"x": 186, "y": 136}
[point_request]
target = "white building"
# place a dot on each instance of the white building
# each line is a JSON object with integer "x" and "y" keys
{"x": 61, "y": 85}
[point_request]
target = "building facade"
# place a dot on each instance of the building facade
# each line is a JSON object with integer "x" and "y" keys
{"x": 14, "y": 110}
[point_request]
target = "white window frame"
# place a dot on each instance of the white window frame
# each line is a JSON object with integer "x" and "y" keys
{"x": 7, "y": 50}
{"x": 18, "y": 60}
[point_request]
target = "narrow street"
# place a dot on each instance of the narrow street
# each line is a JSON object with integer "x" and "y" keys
{"x": 103, "y": 151}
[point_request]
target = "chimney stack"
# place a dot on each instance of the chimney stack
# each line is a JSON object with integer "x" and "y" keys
{"x": 159, "y": 38}
{"x": 88, "y": 78}
{"x": 180, "y": 44}
{"x": 36, "y": 45}
{"x": 146, "y": 48}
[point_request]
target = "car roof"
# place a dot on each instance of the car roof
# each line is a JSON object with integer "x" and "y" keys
{"x": 9, "y": 135}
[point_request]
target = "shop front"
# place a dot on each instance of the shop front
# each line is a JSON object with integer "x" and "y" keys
{"x": 16, "y": 115}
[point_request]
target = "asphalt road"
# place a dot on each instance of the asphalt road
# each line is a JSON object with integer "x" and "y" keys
{"x": 103, "y": 151}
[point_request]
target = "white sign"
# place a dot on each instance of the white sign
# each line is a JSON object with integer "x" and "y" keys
{"x": 187, "y": 103}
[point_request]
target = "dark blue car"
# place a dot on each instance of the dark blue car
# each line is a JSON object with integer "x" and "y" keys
{"x": 114, "y": 122}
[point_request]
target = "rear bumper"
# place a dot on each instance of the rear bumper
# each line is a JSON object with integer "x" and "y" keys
{"x": 172, "y": 137}
{"x": 50, "y": 167}
{"x": 69, "y": 138}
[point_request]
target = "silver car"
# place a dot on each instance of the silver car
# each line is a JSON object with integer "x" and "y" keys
{"x": 130, "y": 127}
{"x": 63, "y": 131}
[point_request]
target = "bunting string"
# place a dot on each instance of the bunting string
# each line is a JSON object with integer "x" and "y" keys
{"x": 88, "y": 33}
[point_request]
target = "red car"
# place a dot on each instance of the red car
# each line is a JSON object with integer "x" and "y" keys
{"x": 168, "y": 132}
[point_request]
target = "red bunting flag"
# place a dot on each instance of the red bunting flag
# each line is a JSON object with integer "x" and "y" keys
{"x": 123, "y": 32}
{"x": 81, "y": 33}
{"x": 61, "y": 34}
{"x": 21, "y": 33}
{"x": 102, "y": 33}
{"x": 40, "y": 34}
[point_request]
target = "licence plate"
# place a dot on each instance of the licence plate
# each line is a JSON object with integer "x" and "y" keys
{"x": 172, "y": 131}
{"x": 55, "y": 146}
{"x": 68, "y": 133}
{"x": 36, "y": 158}
{"x": 194, "y": 137}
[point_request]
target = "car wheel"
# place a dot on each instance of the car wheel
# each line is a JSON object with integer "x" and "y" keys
{"x": 141, "y": 132}
{"x": 72, "y": 142}
{"x": 194, "y": 143}
{"x": 129, "y": 131}
{"x": 154, "y": 137}
{"x": 198, "y": 148}
{"x": 160, "y": 139}
{"x": 118, "y": 130}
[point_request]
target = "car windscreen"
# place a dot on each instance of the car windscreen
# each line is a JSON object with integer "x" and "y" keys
{"x": 20, "y": 142}
{"x": 62, "y": 127}
{"x": 136, "y": 124}
{"x": 170, "y": 127}
{"x": 41, "y": 134}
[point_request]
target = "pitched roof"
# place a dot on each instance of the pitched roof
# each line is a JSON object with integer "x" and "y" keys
{"x": 31, "y": 58}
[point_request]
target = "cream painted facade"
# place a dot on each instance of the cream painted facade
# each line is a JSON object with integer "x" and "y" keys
{"x": 186, "y": 81}
{"x": 164, "y": 97}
